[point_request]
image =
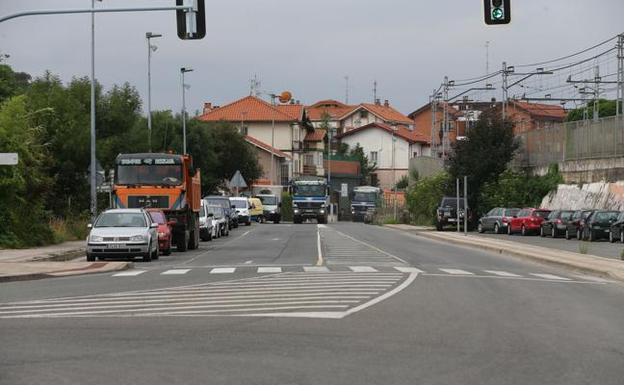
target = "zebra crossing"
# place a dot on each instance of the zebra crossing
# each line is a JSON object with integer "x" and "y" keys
{"x": 310, "y": 295}
{"x": 340, "y": 249}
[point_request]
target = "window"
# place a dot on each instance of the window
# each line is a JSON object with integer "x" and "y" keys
{"x": 374, "y": 156}
{"x": 363, "y": 114}
{"x": 308, "y": 160}
{"x": 284, "y": 174}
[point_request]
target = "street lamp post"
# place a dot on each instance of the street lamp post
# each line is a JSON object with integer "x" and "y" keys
{"x": 150, "y": 48}
{"x": 184, "y": 70}
{"x": 394, "y": 129}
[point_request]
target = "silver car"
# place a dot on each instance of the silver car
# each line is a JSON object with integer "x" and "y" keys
{"x": 123, "y": 233}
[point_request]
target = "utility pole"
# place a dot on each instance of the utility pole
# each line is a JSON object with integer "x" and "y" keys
{"x": 465, "y": 205}
{"x": 394, "y": 128}
{"x": 150, "y": 48}
{"x": 93, "y": 168}
{"x": 596, "y": 93}
{"x": 374, "y": 91}
{"x": 487, "y": 57}
{"x": 273, "y": 96}
{"x": 445, "y": 117}
{"x": 434, "y": 101}
{"x": 184, "y": 70}
{"x": 346, "y": 89}
{"x": 457, "y": 207}
{"x": 620, "y": 100}
{"x": 505, "y": 74}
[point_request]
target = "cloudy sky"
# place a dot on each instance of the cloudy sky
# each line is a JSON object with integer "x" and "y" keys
{"x": 307, "y": 47}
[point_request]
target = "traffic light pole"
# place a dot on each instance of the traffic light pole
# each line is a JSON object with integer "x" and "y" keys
{"x": 187, "y": 8}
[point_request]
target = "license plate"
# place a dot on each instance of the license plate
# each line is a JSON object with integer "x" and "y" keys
{"x": 115, "y": 246}
{"x": 607, "y": 230}
{"x": 452, "y": 219}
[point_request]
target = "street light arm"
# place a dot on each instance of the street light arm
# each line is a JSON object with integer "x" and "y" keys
{"x": 471, "y": 89}
{"x": 528, "y": 76}
{"x": 91, "y": 10}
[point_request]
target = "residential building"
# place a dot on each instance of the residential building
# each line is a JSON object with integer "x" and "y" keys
{"x": 273, "y": 129}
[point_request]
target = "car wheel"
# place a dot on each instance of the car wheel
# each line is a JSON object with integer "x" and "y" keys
{"x": 567, "y": 234}
{"x": 622, "y": 236}
{"x": 509, "y": 229}
{"x": 148, "y": 256}
{"x": 591, "y": 236}
{"x": 167, "y": 250}
{"x": 90, "y": 258}
{"x": 553, "y": 232}
{"x": 523, "y": 231}
{"x": 542, "y": 233}
{"x": 611, "y": 237}
{"x": 156, "y": 254}
{"x": 578, "y": 235}
{"x": 496, "y": 229}
{"x": 480, "y": 228}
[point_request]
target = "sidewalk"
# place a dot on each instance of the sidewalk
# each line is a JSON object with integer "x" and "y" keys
{"x": 46, "y": 262}
{"x": 581, "y": 262}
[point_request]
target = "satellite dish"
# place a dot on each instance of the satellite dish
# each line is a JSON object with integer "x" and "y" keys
{"x": 285, "y": 97}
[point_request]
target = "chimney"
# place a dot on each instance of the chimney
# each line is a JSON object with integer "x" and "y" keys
{"x": 378, "y": 102}
{"x": 207, "y": 108}
{"x": 386, "y": 103}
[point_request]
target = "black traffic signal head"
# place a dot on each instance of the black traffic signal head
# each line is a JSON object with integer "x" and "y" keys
{"x": 191, "y": 25}
{"x": 497, "y": 11}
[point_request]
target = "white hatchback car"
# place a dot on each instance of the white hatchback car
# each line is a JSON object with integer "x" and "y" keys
{"x": 123, "y": 233}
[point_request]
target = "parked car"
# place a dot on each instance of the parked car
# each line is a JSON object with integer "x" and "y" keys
{"x": 205, "y": 222}
{"x": 496, "y": 220}
{"x": 446, "y": 213}
{"x": 123, "y": 233}
{"x": 555, "y": 224}
{"x": 256, "y": 210}
{"x": 527, "y": 221}
{"x": 598, "y": 225}
{"x": 219, "y": 215}
{"x": 617, "y": 229}
{"x": 230, "y": 213}
{"x": 241, "y": 205}
{"x": 574, "y": 225}
{"x": 272, "y": 207}
{"x": 164, "y": 230}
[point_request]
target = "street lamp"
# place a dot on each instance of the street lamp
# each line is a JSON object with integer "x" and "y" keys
{"x": 394, "y": 129}
{"x": 184, "y": 70}
{"x": 92, "y": 167}
{"x": 150, "y": 48}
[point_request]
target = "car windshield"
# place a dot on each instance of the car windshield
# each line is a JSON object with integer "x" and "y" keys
{"x": 511, "y": 212}
{"x": 565, "y": 215}
{"x": 158, "y": 217}
{"x": 239, "y": 203}
{"x": 452, "y": 202}
{"x": 222, "y": 202}
{"x": 268, "y": 200}
{"x": 364, "y": 197}
{"x": 603, "y": 216}
{"x": 217, "y": 211}
{"x": 310, "y": 189}
{"x": 541, "y": 213}
{"x": 121, "y": 220}
{"x": 152, "y": 175}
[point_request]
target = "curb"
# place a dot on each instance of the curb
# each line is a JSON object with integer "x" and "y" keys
{"x": 71, "y": 272}
{"x": 589, "y": 264}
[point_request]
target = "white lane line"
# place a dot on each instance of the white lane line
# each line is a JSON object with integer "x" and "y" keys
{"x": 223, "y": 270}
{"x": 175, "y": 272}
{"x": 248, "y": 262}
{"x": 319, "y": 259}
{"x": 129, "y": 273}
{"x": 403, "y": 269}
{"x": 550, "y": 276}
{"x": 269, "y": 270}
{"x": 456, "y": 271}
{"x": 363, "y": 269}
{"x": 593, "y": 279}
{"x": 316, "y": 269}
{"x": 372, "y": 247}
{"x": 502, "y": 273}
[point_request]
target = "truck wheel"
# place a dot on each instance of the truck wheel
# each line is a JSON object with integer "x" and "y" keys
{"x": 194, "y": 237}
{"x": 90, "y": 258}
{"x": 297, "y": 220}
{"x": 182, "y": 244}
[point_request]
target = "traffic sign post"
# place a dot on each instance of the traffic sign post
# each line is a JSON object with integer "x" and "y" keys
{"x": 238, "y": 181}
{"x": 8, "y": 158}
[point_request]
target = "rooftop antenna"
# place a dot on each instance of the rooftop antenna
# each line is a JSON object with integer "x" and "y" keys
{"x": 374, "y": 91}
{"x": 254, "y": 86}
{"x": 346, "y": 89}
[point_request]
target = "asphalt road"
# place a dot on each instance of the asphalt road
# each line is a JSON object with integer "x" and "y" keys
{"x": 378, "y": 307}
{"x": 601, "y": 248}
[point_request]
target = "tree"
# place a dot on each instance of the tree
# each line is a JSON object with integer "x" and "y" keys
{"x": 605, "y": 108}
{"x": 423, "y": 198}
{"x": 366, "y": 168}
{"x": 12, "y": 83}
{"x": 484, "y": 154}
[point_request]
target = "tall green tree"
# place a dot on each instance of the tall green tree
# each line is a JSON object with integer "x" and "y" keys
{"x": 605, "y": 108}
{"x": 484, "y": 154}
{"x": 366, "y": 167}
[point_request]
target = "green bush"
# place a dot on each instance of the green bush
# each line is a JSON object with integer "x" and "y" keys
{"x": 424, "y": 197}
{"x": 287, "y": 212}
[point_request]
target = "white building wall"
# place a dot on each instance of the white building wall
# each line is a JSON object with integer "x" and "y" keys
{"x": 283, "y": 134}
{"x": 381, "y": 141}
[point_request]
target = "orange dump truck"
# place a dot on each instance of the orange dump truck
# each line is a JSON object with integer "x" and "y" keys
{"x": 165, "y": 181}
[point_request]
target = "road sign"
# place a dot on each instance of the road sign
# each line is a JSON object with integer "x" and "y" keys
{"x": 8, "y": 158}
{"x": 344, "y": 190}
{"x": 237, "y": 180}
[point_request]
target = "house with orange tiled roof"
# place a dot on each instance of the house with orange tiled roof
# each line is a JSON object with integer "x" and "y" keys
{"x": 273, "y": 129}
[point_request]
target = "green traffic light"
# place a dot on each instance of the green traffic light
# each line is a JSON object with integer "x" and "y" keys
{"x": 498, "y": 14}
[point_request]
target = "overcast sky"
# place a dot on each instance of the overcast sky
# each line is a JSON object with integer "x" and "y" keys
{"x": 306, "y": 47}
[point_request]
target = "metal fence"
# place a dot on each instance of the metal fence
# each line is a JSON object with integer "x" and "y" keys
{"x": 571, "y": 141}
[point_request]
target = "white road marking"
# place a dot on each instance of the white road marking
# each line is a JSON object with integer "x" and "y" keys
{"x": 593, "y": 279}
{"x": 316, "y": 269}
{"x": 403, "y": 269}
{"x": 551, "y": 276}
{"x": 319, "y": 259}
{"x": 363, "y": 269}
{"x": 248, "y": 262}
{"x": 269, "y": 270}
{"x": 223, "y": 270}
{"x": 456, "y": 271}
{"x": 129, "y": 273}
{"x": 502, "y": 273}
{"x": 175, "y": 272}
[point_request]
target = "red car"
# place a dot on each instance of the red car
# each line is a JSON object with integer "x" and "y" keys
{"x": 164, "y": 230}
{"x": 527, "y": 221}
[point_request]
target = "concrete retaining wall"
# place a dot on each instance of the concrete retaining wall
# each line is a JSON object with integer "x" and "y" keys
{"x": 599, "y": 195}
{"x": 589, "y": 170}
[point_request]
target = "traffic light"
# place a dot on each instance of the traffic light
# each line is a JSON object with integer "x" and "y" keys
{"x": 192, "y": 24}
{"x": 497, "y": 11}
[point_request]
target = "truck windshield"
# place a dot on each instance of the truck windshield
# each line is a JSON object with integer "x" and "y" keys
{"x": 153, "y": 175}
{"x": 364, "y": 197}
{"x": 270, "y": 201}
{"x": 308, "y": 190}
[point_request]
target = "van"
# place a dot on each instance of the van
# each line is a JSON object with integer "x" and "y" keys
{"x": 256, "y": 211}
{"x": 271, "y": 206}
{"x": 243, "y": 208}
